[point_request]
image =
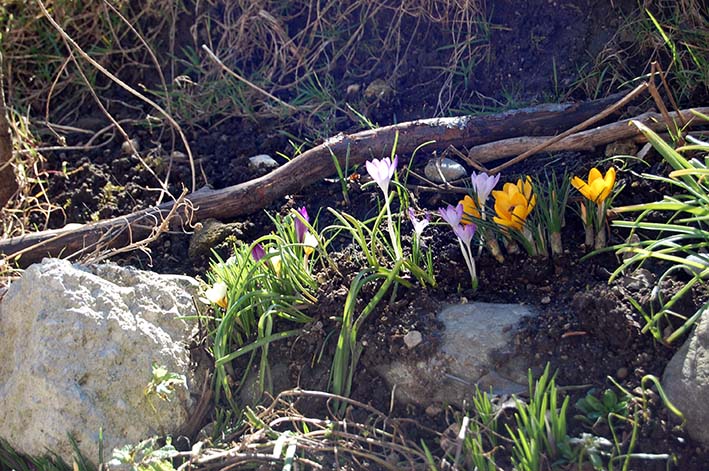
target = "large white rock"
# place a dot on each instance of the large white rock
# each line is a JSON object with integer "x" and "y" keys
{"x": 477, "y": 348}
{"x": 686, "y": 381}
{"x": 76, "y": 353}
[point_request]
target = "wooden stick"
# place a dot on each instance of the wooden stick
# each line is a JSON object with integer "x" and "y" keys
{"x": 585, "y": 140}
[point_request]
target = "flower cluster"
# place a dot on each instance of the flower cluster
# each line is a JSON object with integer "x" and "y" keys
{"x": 597, "y": 190}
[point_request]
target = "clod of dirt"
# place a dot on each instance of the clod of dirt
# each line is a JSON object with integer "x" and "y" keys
{"x": 211, "y": 234}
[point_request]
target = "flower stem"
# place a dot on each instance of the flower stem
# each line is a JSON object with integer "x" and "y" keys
{"x": 470, "y": 262}
{"x": 392, "y": 232}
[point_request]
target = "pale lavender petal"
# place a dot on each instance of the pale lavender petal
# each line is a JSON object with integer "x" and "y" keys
{"x": 451, "y": 214}
{"x": 382, "y": 171}
{"x": 483, "y": 184}
{"x": 465, "y": 232}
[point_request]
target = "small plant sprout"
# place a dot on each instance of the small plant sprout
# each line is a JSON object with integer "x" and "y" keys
{"x": 382, "y": 172}
{"x": 163, "y": 384}
{"x": 513, "y": 204}
{"x": 464, "y": 233}
{"x": 596, "y": 190}
{"x": 552, "y": 197}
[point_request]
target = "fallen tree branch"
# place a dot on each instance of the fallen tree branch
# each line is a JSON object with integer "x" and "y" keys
{"x": 579, "y": 127}
{"x": 304, "y": 170}
{"x": 585, "y": 140}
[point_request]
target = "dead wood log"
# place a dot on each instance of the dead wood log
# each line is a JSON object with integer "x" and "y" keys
{"x": 585, "y": 140}
{"x": 309, "y": 167}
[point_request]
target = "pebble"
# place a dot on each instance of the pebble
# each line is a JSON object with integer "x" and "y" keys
{"x": 433, "y": 410}
{"x": 449, "y": 169}
{"x": 127, "y": 146}
{"x": 701, "y": 260}
{"x": 262, "y": 160}
{"x": 352, "y": 89}
{"x": 413, "y": 339}
{"x": 177, "y": 155}
{"x": 622, "y": 373}
{"x": 546, "y": 300}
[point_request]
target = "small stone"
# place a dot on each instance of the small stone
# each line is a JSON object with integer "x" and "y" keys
{"x": 179, "y": 156}
{"x": 701, "y": 260}
{"x": 546, "y": 300}
{"x": 622, "y": 373}
{"x": 444, "y": 170}
{"x": 130, "y": 146}
{"x": 353, "y": 89}
{"x": 433, "y": 410}
{"x": 262, "y": 161}
{"x": 413, "y": 339}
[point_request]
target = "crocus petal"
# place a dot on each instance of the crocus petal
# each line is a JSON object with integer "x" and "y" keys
{"x": 514, "y": 203}
{"x": 465, "y": 232}
{"x": 309, "y": 243}
{"x": 300, "y": 227}
{"x": 609, "y": 181}
{"x": 258, "y": 252}
{"x": 419, "y": 224}
{"x": 382, "y": 171}
{"x": 452, "y": 215}
{"x": 217, "y": 294}
{"x": 483, "y": 184}
{"x": 598, "y": 187}
{"x": 470, "y": 210}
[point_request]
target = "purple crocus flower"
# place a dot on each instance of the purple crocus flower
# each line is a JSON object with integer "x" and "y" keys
{"x": 258, "y": 252}
{"x": 452, "y": 215}
{"x": 483, "y": 185}
{"x": 464, "y": 233}
{"x": 300, "y": 227}
{"x": 381, "y": 171}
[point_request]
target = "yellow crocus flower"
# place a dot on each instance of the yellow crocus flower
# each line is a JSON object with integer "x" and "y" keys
{"x": 470, "y": 210}
{"x": 514, "y": 203}
{"x": 598, "y": 186}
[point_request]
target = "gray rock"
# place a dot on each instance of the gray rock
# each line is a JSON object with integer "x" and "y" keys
{"x": 444, "y": 170}
{"x": 413, "y": 339}
{"x": 262, "y": 161}
{"x": 128, "y": 147}
{"x": 78, "y": 344}
{"x": 700, "y": 260}
{"x": 477, "y": 348}
{"x": 686, "y": 381}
